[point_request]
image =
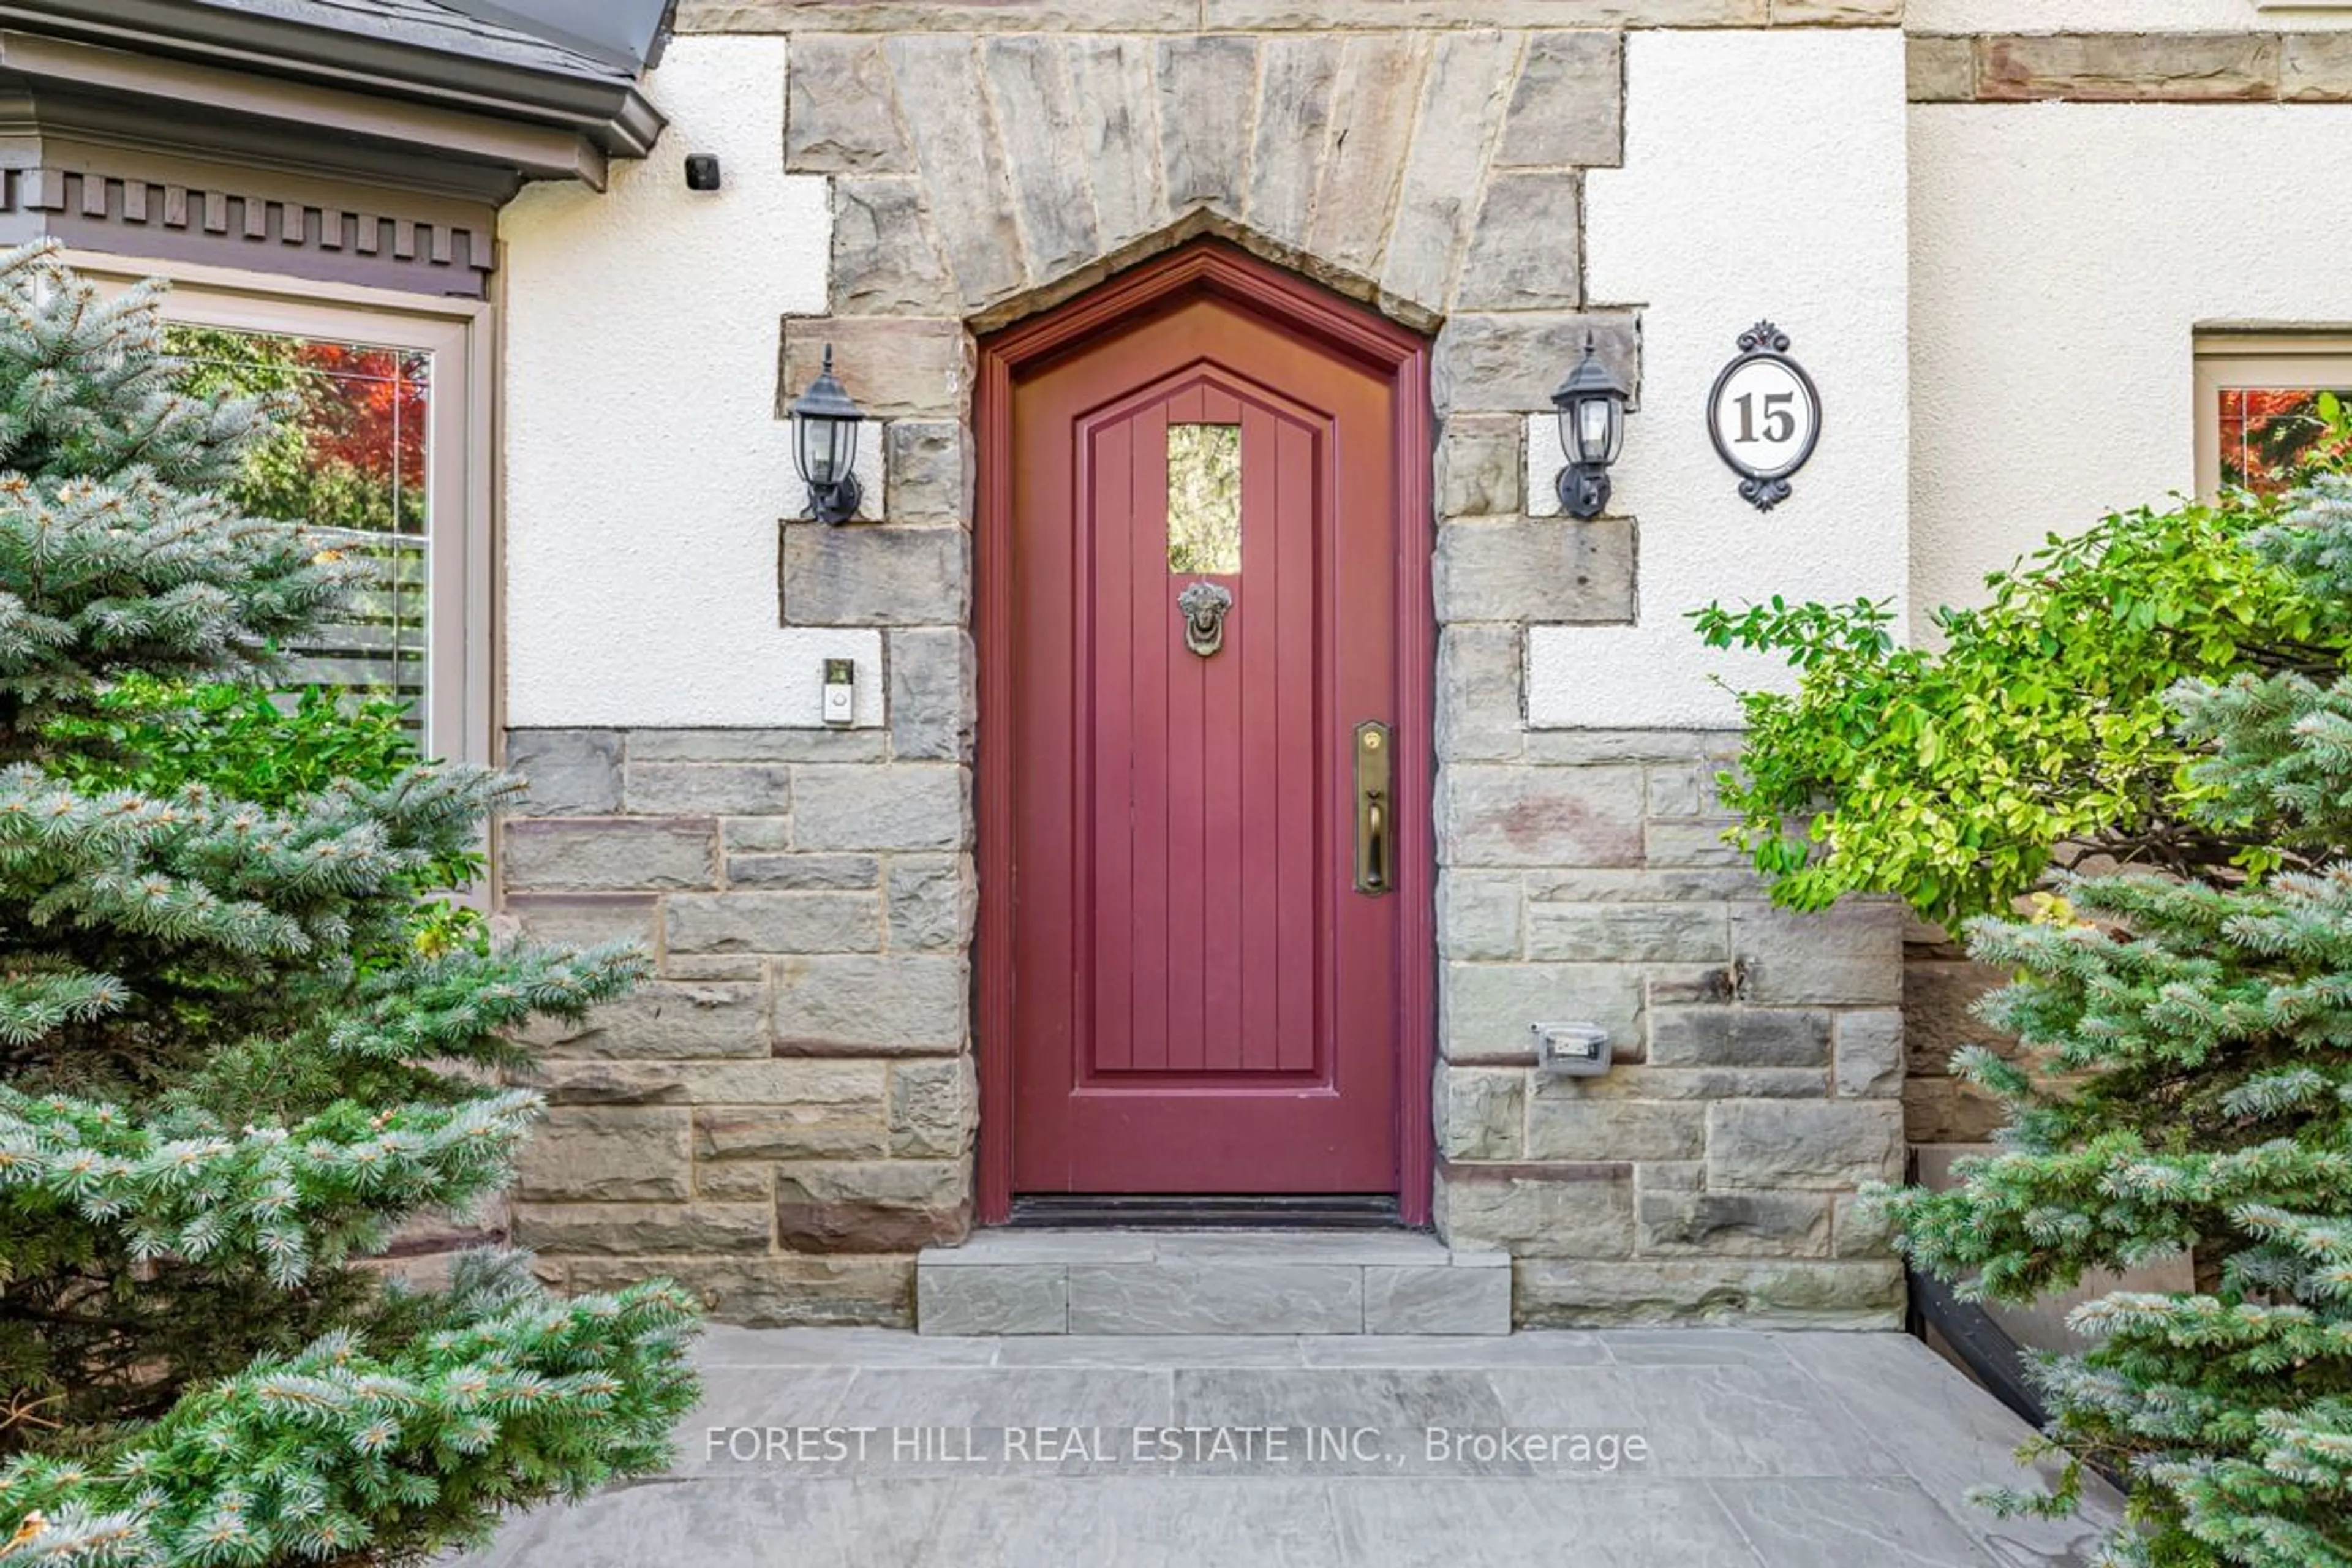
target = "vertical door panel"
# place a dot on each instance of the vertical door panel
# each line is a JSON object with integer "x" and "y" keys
{"x": 1115, "y": 488}
{"x": 1298, "y": 748}
{"x": 1262, "y": 832}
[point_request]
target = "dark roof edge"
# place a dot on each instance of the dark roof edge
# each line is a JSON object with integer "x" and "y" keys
{"x": 533, "y": 21}
{"x": 606, "y": 109}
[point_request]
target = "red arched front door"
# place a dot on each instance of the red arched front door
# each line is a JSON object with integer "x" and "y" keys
{"x": 1204, "y": 827}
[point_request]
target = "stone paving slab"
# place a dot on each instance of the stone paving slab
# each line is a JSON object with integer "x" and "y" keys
{"x": 1757, "y": 1450}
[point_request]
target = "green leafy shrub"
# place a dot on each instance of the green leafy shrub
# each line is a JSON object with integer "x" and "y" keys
{"x": 266, "y": 747}
{"x": 270, "y": 748}
{"x": 229, "y": 1067}
{"x": 2189, "y": 1088}
{"x": 1952, "y": 776}
{"x": 2167, "y": 692}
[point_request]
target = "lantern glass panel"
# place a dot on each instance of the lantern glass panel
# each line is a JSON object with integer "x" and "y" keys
{"x": 827, "y": 448}
{"x": 1592, "y": 429}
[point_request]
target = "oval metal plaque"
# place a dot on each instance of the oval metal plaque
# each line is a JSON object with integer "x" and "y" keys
{"x": 1765, "y": 415}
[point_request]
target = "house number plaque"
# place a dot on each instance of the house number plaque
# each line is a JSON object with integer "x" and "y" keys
{"x": 1764, "y": 415}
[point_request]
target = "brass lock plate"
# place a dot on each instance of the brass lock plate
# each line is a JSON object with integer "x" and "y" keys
{"x": 1375, "y": 808}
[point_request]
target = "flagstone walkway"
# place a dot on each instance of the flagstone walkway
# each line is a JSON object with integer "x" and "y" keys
{"x": 1713, "y": 1448}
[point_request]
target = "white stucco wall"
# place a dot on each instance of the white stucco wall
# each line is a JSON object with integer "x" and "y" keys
{"x": 1763, "y": 177}
{"x": 2122, "y": 15}
{"x": 645, "y": 469}
{"x": 2063, "y": 256}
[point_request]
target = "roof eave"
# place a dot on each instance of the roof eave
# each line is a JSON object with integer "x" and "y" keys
{"x": 605, "y": 112}
{"x": 632, "y": 127}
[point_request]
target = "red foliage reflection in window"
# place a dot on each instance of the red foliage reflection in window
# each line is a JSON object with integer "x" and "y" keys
{"x": 354, "y": 454}
{"x": 372, "y": 413}
{"x": 2266, "y": 431}
{"x": 349, "y": 460}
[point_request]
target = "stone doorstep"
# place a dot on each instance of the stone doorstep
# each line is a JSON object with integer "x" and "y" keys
{"x": 1210, "y": 1282}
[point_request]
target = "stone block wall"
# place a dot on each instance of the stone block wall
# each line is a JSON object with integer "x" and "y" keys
{"x": 1758, "y": 1072}
{"x": 787, "y": 1114}
{"x": 1942, "y": 986}
{"x": 2245, "y": 66}
{"x": 1584, "y": 879}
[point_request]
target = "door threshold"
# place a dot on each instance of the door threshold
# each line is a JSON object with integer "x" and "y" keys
{"x": 1082, "y": 1211}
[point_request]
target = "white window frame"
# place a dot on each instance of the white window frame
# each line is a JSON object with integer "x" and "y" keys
{"x": 2227, "y": 359}
{"x": 460, "y": 652}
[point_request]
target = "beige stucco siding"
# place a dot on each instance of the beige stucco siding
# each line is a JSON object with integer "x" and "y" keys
{"x": 2062, "y": 257}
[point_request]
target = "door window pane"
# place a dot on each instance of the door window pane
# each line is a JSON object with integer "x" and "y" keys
{"x": 1204, "y": 499}
{"x": 352, "y": 463}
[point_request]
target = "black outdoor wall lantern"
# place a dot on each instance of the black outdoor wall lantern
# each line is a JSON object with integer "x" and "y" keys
{"x": 1591, "y": 404}
{"x": 824, "y": 446}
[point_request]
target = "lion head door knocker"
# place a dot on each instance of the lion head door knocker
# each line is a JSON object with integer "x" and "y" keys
{"x": 1204, "y": 605}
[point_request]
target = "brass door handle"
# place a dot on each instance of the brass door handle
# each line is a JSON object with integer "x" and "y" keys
{"x": 1373, "y": 874}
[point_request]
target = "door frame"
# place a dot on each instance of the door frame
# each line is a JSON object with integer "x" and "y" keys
{"x": 1399, "y": 355}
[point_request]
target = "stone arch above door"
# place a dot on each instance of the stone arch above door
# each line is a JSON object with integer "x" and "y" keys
{"x": 984, "y": 177}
